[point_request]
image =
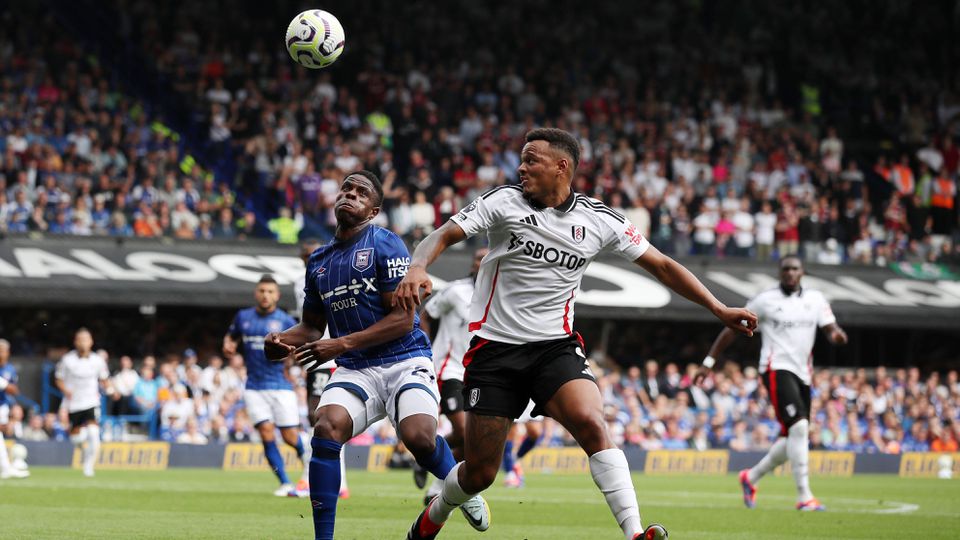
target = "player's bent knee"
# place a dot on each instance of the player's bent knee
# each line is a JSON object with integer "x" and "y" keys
{"x": 421, "y": 443}
{"x": 590, "y": 433}
{"x": 330, "y": 427}
{"x": 478, "y": 478}
{"x": 800, "y": 428}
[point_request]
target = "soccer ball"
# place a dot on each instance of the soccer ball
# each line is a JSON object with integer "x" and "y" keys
{"x": 315, "y": 39}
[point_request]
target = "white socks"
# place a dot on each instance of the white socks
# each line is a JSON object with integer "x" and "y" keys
{"x": 4, "y": 458}
{"x": 92, "y": 450}
{"x": 305, "y": 458}
{"x": 795, "y": 447}
{"x": 451, "y": 497}
{"x": 798, "y": 451}
{"x": 612, "y": 475}
{"x": 775, "y": 457}
{"x": 435, "y": 488}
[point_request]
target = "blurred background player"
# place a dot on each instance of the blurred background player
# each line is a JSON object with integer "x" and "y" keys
{"x": 451, "y": 307}
{"x": 789, "y": 316}
{"x": 269, "y": 397}
{"x": 316, "y": 379}
{"x": 80, "y": 375}
{"x": 8, "y": 391}
{"x": 383, "y": 358}
{"x": 532, "y": 429}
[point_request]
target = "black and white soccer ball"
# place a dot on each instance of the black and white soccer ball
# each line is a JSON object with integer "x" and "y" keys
{"x": 315, "y": 39}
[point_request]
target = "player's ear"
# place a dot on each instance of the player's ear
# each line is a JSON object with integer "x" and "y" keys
{"x": 375, "y": 212}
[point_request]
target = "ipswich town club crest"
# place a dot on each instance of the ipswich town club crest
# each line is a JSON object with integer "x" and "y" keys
{"x": 362, "y": 259}
{"x": 579, "y": 233}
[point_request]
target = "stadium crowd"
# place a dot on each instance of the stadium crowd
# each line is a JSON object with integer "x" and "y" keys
{"x": 653, "y": 406}
{"x": 747, "y": 162}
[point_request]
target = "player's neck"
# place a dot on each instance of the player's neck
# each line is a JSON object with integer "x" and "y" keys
{"x": 346, "y": 232}
{"x": 555, "y": 198}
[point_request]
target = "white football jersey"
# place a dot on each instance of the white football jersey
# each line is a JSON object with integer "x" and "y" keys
{"x": 788, "y": 328}
{"x": 528, "y": 283}
{"x": 82, "y": 378}
{"x": 451, "y": 306}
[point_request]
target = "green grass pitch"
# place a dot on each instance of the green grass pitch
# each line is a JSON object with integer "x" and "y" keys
{"x": 204, "y": 503}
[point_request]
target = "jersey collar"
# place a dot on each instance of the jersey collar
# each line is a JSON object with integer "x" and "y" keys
{"x": 799, "y": 291}
{"x": 567, "y": 205}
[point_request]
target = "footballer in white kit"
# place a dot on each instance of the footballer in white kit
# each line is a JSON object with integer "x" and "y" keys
{"x": 80, "y": 374}
{"x": 789, "y": 316}
{"x": 542, "y": 235}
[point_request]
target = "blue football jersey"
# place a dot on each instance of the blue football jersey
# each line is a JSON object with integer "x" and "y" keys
{"x": 344, "y": 281}
{"x": 249, "y": 327}
{"x": 9, "y": 373}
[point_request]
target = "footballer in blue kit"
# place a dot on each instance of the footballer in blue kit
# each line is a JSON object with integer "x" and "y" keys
{"x": 269, "y": 397}
{"x": 8, "y": 389}
{"x": 384, "y": 360}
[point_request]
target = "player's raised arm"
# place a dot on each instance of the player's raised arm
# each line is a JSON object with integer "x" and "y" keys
{"x": 675, "y": 276}
{"x": 408, "y": 292}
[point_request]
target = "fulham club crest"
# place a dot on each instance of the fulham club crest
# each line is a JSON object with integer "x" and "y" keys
{"x": 362, "y": 259}
{"x": 579, "y": 232}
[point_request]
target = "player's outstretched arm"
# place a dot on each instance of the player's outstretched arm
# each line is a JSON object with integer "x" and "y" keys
{"x": 279, "y": 345}
{"x": 408, "y": 292}
{"x": 835, "y": 334}
{"x": 396, "y": 324}
{"x": 683, "y": 282}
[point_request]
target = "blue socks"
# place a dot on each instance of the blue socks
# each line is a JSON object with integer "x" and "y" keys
{"x": 325, "y": 485}
{"x": 526, "y": 446}
{"x": 440, "y": 461}
{"x": 508, "y": 458}
{"x": 275, "y": 460}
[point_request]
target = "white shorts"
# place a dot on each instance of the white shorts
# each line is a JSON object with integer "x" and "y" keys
{"x": 4, "y": 414}
{"x": 369, "y": 394}
{"x": 525, "y": 417}
{"x": 277, "y": 406}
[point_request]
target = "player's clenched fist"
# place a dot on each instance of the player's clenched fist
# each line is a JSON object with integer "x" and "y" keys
{"x": 274, "y": 349}
{"x": 407, "y": 295}
{"x": 739, "y": 319}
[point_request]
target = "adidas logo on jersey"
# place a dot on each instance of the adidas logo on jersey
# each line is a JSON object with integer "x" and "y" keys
{"x": 531, "y": 220}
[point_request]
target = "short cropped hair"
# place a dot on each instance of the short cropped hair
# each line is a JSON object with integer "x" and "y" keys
{"x": 558, "y": 139}
{"x": 373, "y": 180}
{"x": 267, "y": 278}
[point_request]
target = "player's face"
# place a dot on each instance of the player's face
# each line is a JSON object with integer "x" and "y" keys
{"x": 790, "y": 273}
{"x": 356, "y": 202}
{"x": 83, "y": 342}
{"x": 539, "y": 169}
{"x": 267, "y": 295}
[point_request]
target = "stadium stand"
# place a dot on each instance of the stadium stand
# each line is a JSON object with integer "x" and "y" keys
{"x": 711, "y": 135}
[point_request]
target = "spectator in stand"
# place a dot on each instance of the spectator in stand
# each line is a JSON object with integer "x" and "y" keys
{"x": 123, "y": 382}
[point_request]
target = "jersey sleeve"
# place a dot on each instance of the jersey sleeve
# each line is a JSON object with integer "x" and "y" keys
{"x": 310, "y": 294}
{"x": 483, "y": 213}
{"x": 393, "y": 260}
{"x": 623, "y": 238}
{"x": 61, "y": 370}
{"x": 825, "y": 317}
{"x": 439, "y": 305}
{"x": 755, "y": 305}
{"x": 104, "y": 372}
{"x": 234, "y": 329}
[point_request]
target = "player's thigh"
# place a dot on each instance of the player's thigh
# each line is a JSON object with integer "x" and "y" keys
{"x": 578, "y": 407}
{"x": 258, "y": 406}
{"x": 284, "y": 408}
{"x": 411, "y": 389}
{"x": 559, "y": 364}
{"x": 358, "y": 393}
{"x": 496, "y": 381}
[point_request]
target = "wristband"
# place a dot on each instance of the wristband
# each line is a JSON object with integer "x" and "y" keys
{"x": 708, "y": 362}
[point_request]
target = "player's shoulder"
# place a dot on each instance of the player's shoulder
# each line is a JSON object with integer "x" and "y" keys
{"x": 770, "y": 293}
{"x": 596, "y": 209}
{"x": 814, "y": 294}
{"x": 382, "y": 235}
{"x": 506, "y": 191}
